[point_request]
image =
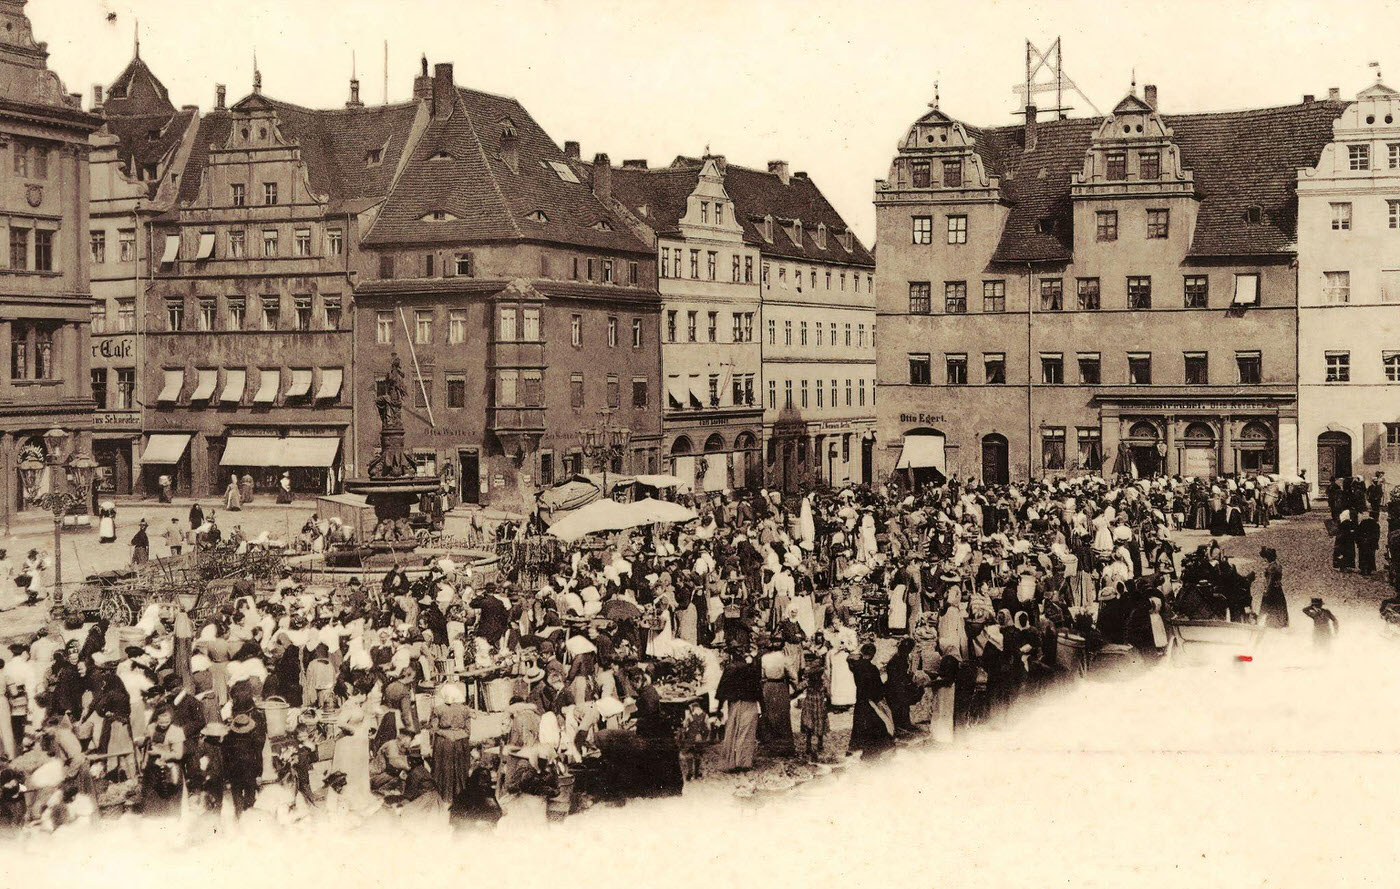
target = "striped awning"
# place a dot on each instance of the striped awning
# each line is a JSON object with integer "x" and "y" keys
{"x": 164, "y": 448}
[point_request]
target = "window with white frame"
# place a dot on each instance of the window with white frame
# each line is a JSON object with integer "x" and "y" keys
{"x": 1336, "y": 287}
{"x": 1359, "y": 157}
{"x": 923, "y": 230}
{"x": 1390, "y": 361}
{"x": 1392, "y": 214}
{"x": 383, "y": 328}
{"x": 957, "y": 229}
{"x": 1341, "y": 216}
{"x": 423, "y": 326}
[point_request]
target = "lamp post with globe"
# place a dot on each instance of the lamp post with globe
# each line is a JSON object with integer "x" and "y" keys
{"x": 70, "y": 483}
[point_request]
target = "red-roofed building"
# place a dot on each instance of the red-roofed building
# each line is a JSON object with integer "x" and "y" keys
{"x": 1097, "y": 295}
{"x": 44, "y": 289}
{"x": 519, "y": 301}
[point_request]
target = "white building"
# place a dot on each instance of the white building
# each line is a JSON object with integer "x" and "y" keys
{"x": 1349, "y": 295}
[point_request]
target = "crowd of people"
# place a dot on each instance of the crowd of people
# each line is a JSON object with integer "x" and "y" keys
{"x": 625, "y": 665}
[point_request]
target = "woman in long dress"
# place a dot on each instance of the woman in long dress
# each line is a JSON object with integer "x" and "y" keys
{"x": 1273, "y": 607}
{"x": 107, "y": 523}
{"x": 352, "y": 750}
{"x": 843, "y": 683}
{"x": 778, "y": 674}
{"x": 740, "y": 689}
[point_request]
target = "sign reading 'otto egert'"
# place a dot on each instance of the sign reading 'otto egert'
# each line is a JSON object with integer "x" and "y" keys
{"x": 921, "y": 418}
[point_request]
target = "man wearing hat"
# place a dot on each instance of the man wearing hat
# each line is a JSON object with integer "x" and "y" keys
{"x": 1324, "y": 623}
{"x": 243, "y": 759}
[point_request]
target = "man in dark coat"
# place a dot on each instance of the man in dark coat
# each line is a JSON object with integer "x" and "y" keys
{"x": 243, "y": 758}
{"x": 1368, "y": 540}
{"x": 196, "y": 517}
{"x": 1375, "y": 493}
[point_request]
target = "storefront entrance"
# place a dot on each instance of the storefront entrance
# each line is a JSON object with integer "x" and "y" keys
{"x": 469, "y": 477}
{"x": 996, "y": 468}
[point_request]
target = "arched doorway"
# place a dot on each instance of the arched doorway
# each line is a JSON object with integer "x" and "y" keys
{"x": 1141, "y": 447}
{"x": 1256, "y": 447}
{"x": 746, "y": 472}
{"x": 1199, "y": 455}
{"x": 923, "y": 457}
{"x": 996, "y": 468}
{"x": 712, "y": 470}
{"x": 683, "y": 463}
{"x": 1333, "y": 458}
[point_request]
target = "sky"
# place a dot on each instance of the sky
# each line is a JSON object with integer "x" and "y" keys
{"x": 828, "y": 86}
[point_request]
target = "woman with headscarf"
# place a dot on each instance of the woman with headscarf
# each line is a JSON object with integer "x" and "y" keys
{"x": 1273, "y": 606}
{"x": 1344, "y": 543}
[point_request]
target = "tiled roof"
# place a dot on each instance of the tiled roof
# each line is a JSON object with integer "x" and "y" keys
{"x": 756, "y": 194}
{"x": 333, "y": 144}
{"x": 1239, "y": 159}
{"x": 148, "y": 139}
{"x": 458, "y": 168}
{"x": 663, "y": 192}
{"x": 137, "y": 92}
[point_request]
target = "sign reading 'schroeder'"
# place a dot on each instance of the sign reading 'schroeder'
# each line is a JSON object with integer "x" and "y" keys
{"x": 114, "y": 347}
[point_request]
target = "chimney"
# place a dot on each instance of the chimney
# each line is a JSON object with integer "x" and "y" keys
{"x": 1030, "y": 128}
{"x": 220, "y": 93}
{"x": 1149, "y": 95}
{"x": 443, "y": 88}
{"x": 571, "y": 150}
{"x": 354, "y": 94}
{"x": 1309, "y": 98}
{"x": 96, "y": 97}
{"x": 779, "y": 169}
{"x": 1334, "y": 94}
{"x": 423, "y": 84}
{"x": 602, "y": 177}
{"x": 635, "y": 164}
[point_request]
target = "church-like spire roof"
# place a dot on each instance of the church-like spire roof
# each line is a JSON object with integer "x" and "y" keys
{"x": 137, "y": 91}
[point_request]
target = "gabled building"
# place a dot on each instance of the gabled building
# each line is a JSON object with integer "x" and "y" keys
{"x": 711, "y": 356}
{"x": 520, "y": 304}
{"x": 137, "y": 159}
{"x": 1099, "y": 295}
{"x": 817, "y": 283}
{"x": 248, "y": 352}
{"x": 1349, "y": 295}
{"x": 45, "y": 295}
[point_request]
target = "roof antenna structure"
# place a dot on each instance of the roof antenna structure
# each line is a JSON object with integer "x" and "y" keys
{"x": 1045, "y": 73}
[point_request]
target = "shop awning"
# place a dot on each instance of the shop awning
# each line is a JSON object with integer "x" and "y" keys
{"x": 172, "y": 249}
{"x": 206, "y": 245}
{"x": 174, "y": 382}
{"x": 268, "y": 381}
{"x": 697, "y": 390}
{"x": 675, "y": 390}
{"x": 300, "y": 385}
{"x": 165, "y": 448}
{"x": 309, "y": 451}
{"x": 330, "y": 383}
{"x": 921, "y": 452}
{"x": 235, "y": 381}
{"x": 204, "y": 389}
{"x": 252, "y": 450}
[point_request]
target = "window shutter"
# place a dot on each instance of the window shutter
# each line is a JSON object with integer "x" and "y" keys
{"x": 1371, "y": 434}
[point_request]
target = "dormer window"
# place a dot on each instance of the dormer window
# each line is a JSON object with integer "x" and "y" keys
{"x": 441, "y": 155}
{"x": 374, "y": 157}
{"x": 1359, "y": 157}
{"x": 602, "y": 225}
{"x": 797, "y": 232}
{"x": 1045, "y": 225}
{"x": 768, "y": 229}
{"x": 821, "y": 237}
{"x": 847, "y": 241}
{"x": 1117, "y": 165}
{"x": 438, "y": 216}
{"x": 1254, "y": 215}
{"x": 153, "y": 135}
{"x": 1149, "y": 165}
{"x": 538, "y": 216}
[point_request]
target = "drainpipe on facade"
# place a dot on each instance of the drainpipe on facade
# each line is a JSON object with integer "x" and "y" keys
{"x": 1297, "y": 378}
{"x": 1030, "y": 420}
{"x": 351, "y": 306}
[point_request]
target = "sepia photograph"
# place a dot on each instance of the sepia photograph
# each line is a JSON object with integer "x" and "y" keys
{"x": 448, "y": 442}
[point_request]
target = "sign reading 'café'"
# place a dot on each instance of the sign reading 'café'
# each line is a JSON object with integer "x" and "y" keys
{"x": 114, "y": 347}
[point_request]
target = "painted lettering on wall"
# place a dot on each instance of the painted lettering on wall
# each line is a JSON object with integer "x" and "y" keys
{"x": 114, "y": 347}
{"x": 117, "y": 419}
{"x": 921, "y": 418}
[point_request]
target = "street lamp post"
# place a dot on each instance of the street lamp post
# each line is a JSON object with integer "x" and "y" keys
{"x": 70, "y": 481}
{"x": 605, "y": 442}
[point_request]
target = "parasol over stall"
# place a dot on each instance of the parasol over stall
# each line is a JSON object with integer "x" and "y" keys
{"x": 603, "y": 516}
